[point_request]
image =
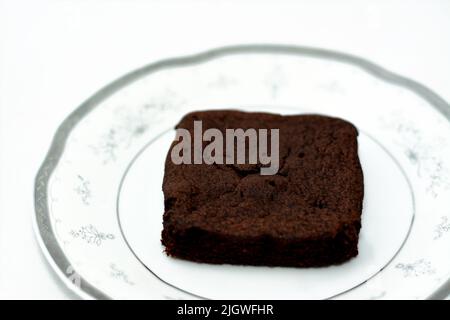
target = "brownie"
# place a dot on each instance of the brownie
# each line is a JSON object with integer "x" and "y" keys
{"x": 306, "y": 215}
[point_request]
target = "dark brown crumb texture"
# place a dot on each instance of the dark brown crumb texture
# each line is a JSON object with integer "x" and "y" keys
{"x": 307, "y": 215}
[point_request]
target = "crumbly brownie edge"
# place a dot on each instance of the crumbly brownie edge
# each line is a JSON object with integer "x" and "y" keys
{"x": 202, "y": 246}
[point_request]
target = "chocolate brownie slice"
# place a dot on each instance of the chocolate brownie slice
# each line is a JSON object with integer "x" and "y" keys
{"x": 306, "y": 215}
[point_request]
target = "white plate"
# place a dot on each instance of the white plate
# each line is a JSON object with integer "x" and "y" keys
{"x": 99, "y": 201}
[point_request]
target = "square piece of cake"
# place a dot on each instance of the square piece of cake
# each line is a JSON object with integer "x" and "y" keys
{"x": 306, "y": 215}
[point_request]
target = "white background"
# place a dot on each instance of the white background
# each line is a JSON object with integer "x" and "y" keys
{"x": 55, "y": 54}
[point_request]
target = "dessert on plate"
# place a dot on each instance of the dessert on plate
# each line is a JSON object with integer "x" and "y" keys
{"x": 307, "y": 214}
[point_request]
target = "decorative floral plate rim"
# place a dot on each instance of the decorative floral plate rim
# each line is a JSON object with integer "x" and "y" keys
{"x": 46, "y": 236}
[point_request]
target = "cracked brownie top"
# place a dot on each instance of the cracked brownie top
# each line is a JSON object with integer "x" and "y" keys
{"x": 317, "y": 190}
